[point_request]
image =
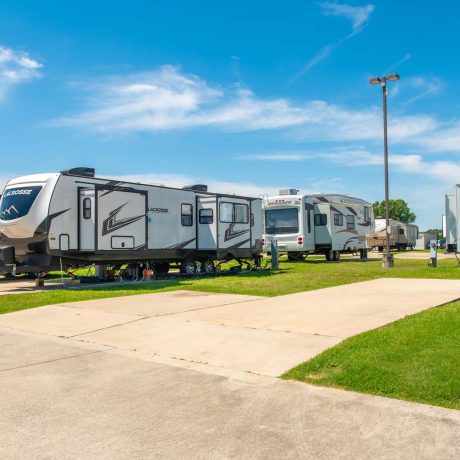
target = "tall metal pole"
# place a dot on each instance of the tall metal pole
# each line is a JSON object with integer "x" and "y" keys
{"x": 385, "y": 160}
{"x": 387, "y": 259}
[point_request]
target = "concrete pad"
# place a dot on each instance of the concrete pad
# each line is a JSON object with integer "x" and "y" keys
{"x": 235, "y": 348}
{"x": 24, "y": 349}
{"x": 422, "y": 256}
{"x": 26, "y": 286}
{"x": 339, "y": 311}
{"x": 63, "y": 321}
{"x": 161, "y": 303}
{"x": 107, "y": 406}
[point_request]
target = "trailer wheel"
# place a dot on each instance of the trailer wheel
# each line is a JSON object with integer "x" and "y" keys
{"x": 37, "y": 274}
{"x": 295, "y": 256}
{"x": 188, "y": 267}
{"x": 335, "y": 256}
{"x": 329, "y": 255}
{"x": 161, "y": 268}
{"x": 207, "y": 266}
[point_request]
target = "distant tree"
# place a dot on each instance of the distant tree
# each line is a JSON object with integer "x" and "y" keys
{"x": 399, "y": 210}
{"x": 435, "y": 231}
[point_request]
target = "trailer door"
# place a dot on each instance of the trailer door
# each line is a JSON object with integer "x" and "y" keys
{"x": 207, "y": 222}
{"x": 86, "y": 219}
{"x": 121, "y": 219}
{"x": 234, "y": 236}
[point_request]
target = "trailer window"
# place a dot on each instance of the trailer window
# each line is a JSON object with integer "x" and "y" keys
{"x": 401, "y": 231}
{"x": 350, "y": 222}
{"x": 241, "y": 212}
{"x": 16, "y": 202}
{"x": 206, "y": 216}
{"x": 367, "y": 213}
{"x": 232, "y": 213}
{"x": 186, "y": 215}
{"x": 320, "y": 220}
{"x": 87, "y": 208}
{"x": 279, "y": 221}
{"x": 309, "y": 220}
{"x": 338, "y": 220}
{"x": 226, "y": 213}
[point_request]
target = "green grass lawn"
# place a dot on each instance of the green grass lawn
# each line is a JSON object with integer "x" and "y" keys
{"x": 293, "y": 277}
{"x": 416, "y": 358}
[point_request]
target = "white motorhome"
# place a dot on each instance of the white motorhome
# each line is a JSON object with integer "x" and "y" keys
{"x": 402, "y": 236}
{"x": 326, "y": 224}
{"x": 451, "y": 223}
{"x": 74, "y": 219}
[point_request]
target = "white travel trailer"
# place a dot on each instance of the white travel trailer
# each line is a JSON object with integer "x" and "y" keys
{"x": 402, "y": 236}
{"x": 451, "y": 222}
{"x": 317, "y": 224}
{"x": 74, "y": 219}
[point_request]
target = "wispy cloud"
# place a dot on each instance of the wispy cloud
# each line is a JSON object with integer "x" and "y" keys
{"x": 418, "y": 88}
{"x": 359, "y": 16}
{"x": 398, "y": 63}
{"x": 16, "y": 67}
{"x": 168, "y": 99}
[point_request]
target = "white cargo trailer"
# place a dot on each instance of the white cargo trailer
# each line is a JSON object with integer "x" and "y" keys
{"x": 451, "y": 223}
{"x": 73, "y": 218}
{"x": 326, "y": 224}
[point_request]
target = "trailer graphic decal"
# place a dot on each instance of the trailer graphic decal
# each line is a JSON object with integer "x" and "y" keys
{"x": 230, "y": 234}
{"x": 111, "y": 223}
{"x": 181, "y": 245}
{"x": 237, "y": 245}
{"x": 11, "y": 208}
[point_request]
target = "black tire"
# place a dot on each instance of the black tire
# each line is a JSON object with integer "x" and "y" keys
{"x": 363, "y": 254}
{"x": 188, "y": 267}
{"x": 207, "y": 266}
{"x": 295, "y": 256}
{"x": 329, "y": 256}
{"x": 35, "y": 275}
{"x": 161, "y": 268}
{"x": 336, "y": 256}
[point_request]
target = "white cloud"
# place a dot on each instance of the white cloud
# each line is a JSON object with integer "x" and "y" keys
{"x": 179, "y": 181}
{"x": 167, "y": 99}
{"x": 16, "y": 67}
{"x": 416, "y": 88}
{"x": 359, "y": 15}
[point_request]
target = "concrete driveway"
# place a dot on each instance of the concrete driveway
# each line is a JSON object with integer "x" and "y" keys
{"x": 235, "y": 333}
{"x": 190, "y": 375}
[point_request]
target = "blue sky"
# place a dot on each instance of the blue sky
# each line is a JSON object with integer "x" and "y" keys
{"x": 245, "y": 96}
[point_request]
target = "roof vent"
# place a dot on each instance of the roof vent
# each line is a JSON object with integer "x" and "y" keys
{"x": 196, "y": 188}
{"x": 288, "y": 191}
{"x": 82, "y": 171}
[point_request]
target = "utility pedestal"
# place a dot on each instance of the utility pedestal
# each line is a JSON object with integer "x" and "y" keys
{"x": 274, "y": 253}
{"x": 433, "y": 253}
{"x": 388, "y": 260}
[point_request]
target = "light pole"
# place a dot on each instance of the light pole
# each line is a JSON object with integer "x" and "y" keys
{"x": 388, "y": 260}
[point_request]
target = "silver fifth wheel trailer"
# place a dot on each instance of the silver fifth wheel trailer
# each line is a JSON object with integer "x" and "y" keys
{"x": 402, "y": 236}
{"x": 72, "y": 218}
{"x": 317, "y": 224}
{"x": 451, "y": 223}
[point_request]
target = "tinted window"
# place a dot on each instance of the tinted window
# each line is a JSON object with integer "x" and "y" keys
{"x": 338, "y": 219}
{"x": 206, "y": 216}
{"x": 226, "y": 212}
{"x": 87, "y": 208}
{"x": 320, "y": 219}
{"x": 16, "y": 202}
{"x": 186, "y": 216}
{"x": 281, "y": 221}
{"x": 350, "y": 221}
{"x": 234, "y": 213}
{"x": 367, "y": 213}
{"x": 240, "y": 214}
